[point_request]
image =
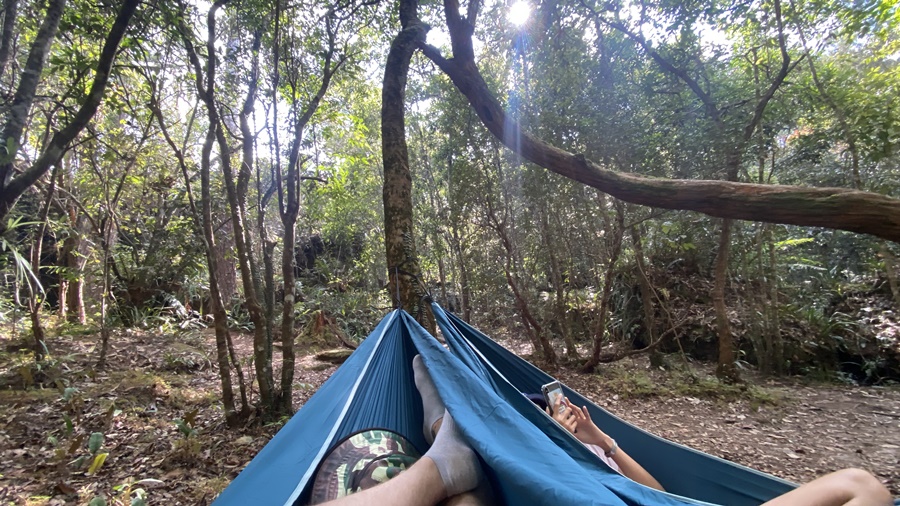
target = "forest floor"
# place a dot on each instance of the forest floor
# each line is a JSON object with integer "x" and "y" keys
{"x": 791, "y": 428}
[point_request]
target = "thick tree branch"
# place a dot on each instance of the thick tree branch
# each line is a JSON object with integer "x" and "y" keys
{"x": 61, "y": 139}
{"x": 837, "y": 208}
{"x": 18, "y": 111}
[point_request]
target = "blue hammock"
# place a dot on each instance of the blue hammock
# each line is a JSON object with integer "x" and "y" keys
{"x": 528, "y": 458}
{"x": 681, "y": 470}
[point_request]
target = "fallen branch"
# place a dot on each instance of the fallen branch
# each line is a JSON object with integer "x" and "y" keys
{"x": 619, "y": 355}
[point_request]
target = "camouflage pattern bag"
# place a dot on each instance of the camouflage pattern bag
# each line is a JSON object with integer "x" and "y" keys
{"x": 361, "y": 461}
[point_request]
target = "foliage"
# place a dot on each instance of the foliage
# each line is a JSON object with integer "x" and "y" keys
{"x": 70, "y": 442}
{"x": 640, "y": 383}
{"x": 24, "y": 274}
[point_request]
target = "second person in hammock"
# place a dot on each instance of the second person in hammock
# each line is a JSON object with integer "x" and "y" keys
{"x": 578, "y": 422}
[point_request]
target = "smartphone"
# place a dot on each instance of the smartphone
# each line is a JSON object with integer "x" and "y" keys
{"x": 551, "y": 392}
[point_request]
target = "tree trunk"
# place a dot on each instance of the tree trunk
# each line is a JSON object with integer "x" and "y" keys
{"x": 532, "y": 327}
{"x": 404, "y": 272}
{"x": 220, "y": 316}
{"x": 289, "y": 195}
{"x": 556, "y": 278}
{"x": 236, "y": 193}
{"x": 205, "y": 230}
{"x": 268, "y": 290}
{"x": 106, "y": 238}
{"x": 726, "y": 369}
{"x": 36, "y": 298}
{"x": 10, "y": 12}
{"x": 69, "y": 260}
{"x": 465, "y": 292}
{"x": 608, "y": 280}
{"x": 20, "y": 108}
{"x": 75, "y": 263}
{"x": 778, "y": 361}
{"x": 761, "y": 338}
{"x": 647, "y": 295}
{"x": 442, "y": 277}
{"x": 885, "y": 253}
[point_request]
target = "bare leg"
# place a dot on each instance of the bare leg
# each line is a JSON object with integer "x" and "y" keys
{"x": 448, "y": 468}
{"x": 481, "y": 496}
{"x": 420, "y": 485}
{"x": 848, "y": 487}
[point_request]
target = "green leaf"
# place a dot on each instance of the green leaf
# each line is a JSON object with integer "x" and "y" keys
{"x": 70, "y": 427}
{"x": 140, "y": 496}
{"x": 79, "y": 462}
{"x": 95, "y": 442}
{"x": 97, "y": 501}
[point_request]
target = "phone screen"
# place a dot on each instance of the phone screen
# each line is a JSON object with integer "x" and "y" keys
{"x": 551, "y": 392}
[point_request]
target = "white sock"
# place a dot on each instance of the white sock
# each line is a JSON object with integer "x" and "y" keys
{"x": 455, "y": 460}
{"x": 432, "y": 404}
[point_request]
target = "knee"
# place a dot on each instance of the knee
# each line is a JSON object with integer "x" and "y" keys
{"x": 865, "y": 486}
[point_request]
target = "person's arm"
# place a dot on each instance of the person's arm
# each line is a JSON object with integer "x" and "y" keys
{"x": 848, "y": 487}
{"x": 578, "y": 422}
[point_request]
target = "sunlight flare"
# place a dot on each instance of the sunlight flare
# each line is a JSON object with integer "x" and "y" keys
{"x": 519, "y": 13}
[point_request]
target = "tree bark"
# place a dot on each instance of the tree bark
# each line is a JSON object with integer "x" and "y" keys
{"x": 36, "y": 298}
{"x": 75, "y": 263}
{"x": 774, "y": 330}
{"x": 20, "y": 108}
{"x": 206, "y": 91}
{"x": 725, "y": 370}
{"x": 647, "y": 294}
{"x": 10, "y": 12}
{"x": 884, "y": 251}
{"x": 403, "y": 266}
{"x": 220, "y": 316}
{"x": 289, "y": 195}
{"x": 535, "y": 330}
{"x": 236, "y": 191}
{"x": 465, "y": 291}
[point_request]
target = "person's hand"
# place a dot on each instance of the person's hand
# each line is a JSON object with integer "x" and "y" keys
{"x": 564, "y": 413}
{"x": 588, "y": 432}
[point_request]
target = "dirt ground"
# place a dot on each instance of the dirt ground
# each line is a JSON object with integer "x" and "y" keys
{"x": 790, "y": 428}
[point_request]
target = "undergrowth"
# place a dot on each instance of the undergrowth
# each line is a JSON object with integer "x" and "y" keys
{"x": 644, "y": 383}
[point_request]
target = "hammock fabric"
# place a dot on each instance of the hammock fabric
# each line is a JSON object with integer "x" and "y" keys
{"x": 528, "y": 457}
